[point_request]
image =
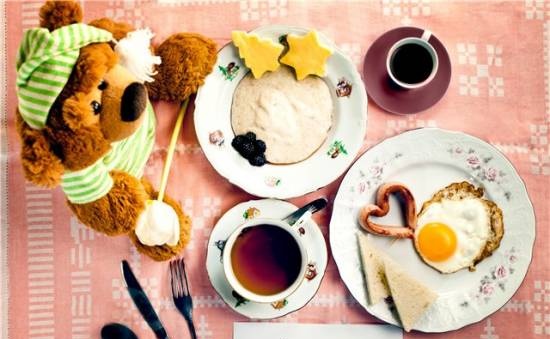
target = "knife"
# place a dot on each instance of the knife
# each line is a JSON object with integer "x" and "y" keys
{"x": 142, "y": 302}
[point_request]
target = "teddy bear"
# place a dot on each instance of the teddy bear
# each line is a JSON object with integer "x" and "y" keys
{"x": 86, "y": 123}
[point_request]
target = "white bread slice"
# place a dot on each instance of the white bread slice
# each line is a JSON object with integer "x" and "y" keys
{"x": 373, "y": 270}
{"x": 411, "y": 297}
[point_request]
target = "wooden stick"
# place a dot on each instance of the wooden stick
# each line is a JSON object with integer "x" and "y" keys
{"x": 171, "y": 149}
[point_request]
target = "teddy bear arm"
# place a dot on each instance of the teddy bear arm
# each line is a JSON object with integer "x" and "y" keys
{"x": 40, "y": 165}
{"x": 117, "y": 212}
{"x": 180, "y": 75}
{"x": 162, "y": 253}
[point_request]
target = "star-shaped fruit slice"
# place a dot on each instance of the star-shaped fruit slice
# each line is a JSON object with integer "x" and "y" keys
{"x": 259, "y": 54}
{"x": 306, "y": 55}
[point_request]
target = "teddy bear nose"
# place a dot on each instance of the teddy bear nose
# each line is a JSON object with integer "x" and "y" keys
{"x": 134, "y": 100}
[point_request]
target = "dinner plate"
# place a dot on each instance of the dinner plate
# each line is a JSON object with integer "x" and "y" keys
{"x": 266, "y": 208}
{"x": 215, "y": 133}
{"x": 427, "y": 160}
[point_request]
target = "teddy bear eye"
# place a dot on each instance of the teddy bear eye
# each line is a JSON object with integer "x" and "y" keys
{"x": 96, "y": 106}
{"x": 102, "y": 85}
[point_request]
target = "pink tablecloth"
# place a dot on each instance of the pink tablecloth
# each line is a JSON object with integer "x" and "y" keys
{"x": 60, "y": 280}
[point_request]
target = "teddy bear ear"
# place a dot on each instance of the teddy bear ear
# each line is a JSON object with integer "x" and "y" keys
{"x": 118, "y": 29}
{"x": 55, "y": 14}
{"x": 40, "y": 165}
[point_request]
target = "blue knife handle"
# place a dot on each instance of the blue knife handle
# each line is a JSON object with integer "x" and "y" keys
{"x": 151, "y": 318}
{"x": 142, "y": 302}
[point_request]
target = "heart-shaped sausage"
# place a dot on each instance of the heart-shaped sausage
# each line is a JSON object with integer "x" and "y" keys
{"x": 382, "y": 208}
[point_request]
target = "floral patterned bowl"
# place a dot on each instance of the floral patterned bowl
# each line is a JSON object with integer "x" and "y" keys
{"x": 427, "y": 160}
{"x": 214, "y": 131}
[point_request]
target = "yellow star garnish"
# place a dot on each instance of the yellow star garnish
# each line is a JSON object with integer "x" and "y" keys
{"x": 306, "y": 55}
{"x": 259, "y": 54}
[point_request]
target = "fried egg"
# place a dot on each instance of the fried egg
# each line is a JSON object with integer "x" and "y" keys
{"x": 452, "y": 233}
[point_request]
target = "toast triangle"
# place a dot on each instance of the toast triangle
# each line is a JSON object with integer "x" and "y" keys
{"x": 411, "y": 297}
{"x": 373, "y": 270}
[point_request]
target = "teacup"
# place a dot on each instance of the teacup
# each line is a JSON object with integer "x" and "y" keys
{"x": 264, "y": 260}
{"x": 412, "y": 62}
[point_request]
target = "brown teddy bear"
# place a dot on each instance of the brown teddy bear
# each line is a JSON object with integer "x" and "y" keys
{"x": 86, "y": 123}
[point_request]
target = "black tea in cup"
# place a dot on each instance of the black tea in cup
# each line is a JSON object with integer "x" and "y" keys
{"x": 266, "y": 259}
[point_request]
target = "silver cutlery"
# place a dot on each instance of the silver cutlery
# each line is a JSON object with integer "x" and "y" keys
{"x": 312, "y": 207}
{"x": 142, "y": 302}
{"x": 180, "y": 293}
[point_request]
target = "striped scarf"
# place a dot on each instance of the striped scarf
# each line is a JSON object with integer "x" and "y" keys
{"x": 44, "y": 64}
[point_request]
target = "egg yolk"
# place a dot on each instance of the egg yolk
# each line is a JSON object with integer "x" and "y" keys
{"x": 436, "y": 241}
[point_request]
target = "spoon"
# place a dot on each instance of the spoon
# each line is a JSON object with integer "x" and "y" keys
{"x": 117, "y": 331}
{"x": 305, "y": 211}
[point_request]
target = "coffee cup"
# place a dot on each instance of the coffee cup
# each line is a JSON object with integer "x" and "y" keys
{"x": 265, "y": 260}
{"x": 412, "y": 62}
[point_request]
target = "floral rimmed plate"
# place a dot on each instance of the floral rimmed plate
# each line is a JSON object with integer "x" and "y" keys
{"x": 214, "y": 131}
{"x": 313, "y": 241}
{"x": 427, "y": 160}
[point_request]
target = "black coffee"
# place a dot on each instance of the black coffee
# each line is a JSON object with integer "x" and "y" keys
{"x": 411, "y": 63}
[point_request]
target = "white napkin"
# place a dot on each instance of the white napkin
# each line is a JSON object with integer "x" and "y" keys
{"x": 317, "y": 331}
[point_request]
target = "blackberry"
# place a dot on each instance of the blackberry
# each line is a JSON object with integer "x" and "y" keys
{"x": 258, "y": 160}
{"x": 260, "y": 146}
{"x": 250, "y": 148}
{"x": 247, "y": 150}
{"x": 238, "y": 142}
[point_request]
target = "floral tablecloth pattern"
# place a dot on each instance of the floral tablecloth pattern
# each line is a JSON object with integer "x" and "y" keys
{"x": 61, "y": 280}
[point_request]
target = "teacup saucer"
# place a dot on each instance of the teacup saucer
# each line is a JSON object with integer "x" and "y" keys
{"x": 389, "y": 96}
{"x": 266, "y": 208}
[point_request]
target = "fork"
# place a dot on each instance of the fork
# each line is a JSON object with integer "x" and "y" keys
{"x": 180, "y": 293}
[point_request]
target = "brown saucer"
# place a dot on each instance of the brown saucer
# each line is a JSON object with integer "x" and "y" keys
{"x": 393, "y": 98}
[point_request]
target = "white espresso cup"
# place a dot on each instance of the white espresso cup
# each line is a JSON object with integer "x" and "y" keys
{"x": 411, "y": 63}
{"x": 229, "y": 270}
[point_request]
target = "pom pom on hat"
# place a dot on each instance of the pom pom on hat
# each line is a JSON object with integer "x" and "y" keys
{"x": 135, "y": 54}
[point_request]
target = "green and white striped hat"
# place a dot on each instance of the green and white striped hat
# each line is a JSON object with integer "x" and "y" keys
{"x": 45, "y": 62}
